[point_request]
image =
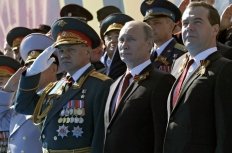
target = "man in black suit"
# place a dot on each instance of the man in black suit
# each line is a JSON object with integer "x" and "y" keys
{"x": 199, "y": 104}
{"x": 136, "y": 115}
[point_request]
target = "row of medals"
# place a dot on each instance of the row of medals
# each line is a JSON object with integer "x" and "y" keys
{"x": 72, "y": 115}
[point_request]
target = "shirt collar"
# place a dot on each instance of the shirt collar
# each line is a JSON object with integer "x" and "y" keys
{"x": 138, "y": 69}
{"x": 79, "y": 72}
{"x": 160, "y": 49}
{"x": 203, "y": 55}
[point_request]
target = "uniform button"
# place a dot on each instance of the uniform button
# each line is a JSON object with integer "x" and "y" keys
{"x": 43, "y": 136}
{"x": 22, "y": 151}
{"x": 108, "y": 131}
{"x": 24, "y": 138}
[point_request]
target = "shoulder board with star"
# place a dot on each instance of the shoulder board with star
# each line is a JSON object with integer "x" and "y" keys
{"x": 99, "y": 76}
{"x": 180, "y": 47}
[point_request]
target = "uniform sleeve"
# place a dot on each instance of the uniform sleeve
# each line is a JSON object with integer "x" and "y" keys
{"x": 99, "y": 108}
{"x": 6, "y": 99}
{"x": 26, "y": 97}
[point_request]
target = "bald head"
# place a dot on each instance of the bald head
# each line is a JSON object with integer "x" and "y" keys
{"x": 144, "y": 27}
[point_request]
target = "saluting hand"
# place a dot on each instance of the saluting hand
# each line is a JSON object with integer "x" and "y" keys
{"x": 12, "y": 83}
{"x": 42, "y": 62}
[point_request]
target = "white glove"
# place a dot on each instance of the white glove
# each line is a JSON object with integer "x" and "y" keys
{"x": 42, "y": 62}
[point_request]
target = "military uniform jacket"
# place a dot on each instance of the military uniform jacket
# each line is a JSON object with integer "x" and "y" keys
{"x": 170, "y": 53}
{"x": 138, "y": 124}
{"x": 201, "y": 121}
{"x": 88, "y": 96}
{"x": 23, "y": 134}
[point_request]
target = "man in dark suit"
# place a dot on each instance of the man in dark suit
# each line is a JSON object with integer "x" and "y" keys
{"x": 163, "y": 17}
{"x": 71, "y": 110}
{"x": 135, "y": 113}
{"x": 199, "y": 104}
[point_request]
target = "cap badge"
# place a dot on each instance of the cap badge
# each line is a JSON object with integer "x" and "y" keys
{"x": 149, "y": 2}
{"x": 61, "y": 23}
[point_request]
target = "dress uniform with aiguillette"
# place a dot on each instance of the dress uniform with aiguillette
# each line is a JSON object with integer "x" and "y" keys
{"x": 8, "y": 66}
{"x": 172, "y": 50}
{"x": 23, "y": 134}
{"x": 70, "y": 113}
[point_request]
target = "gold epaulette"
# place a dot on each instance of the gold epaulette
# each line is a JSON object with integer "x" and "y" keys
{"x": 99, "y": 75}
{"x": 180, "y": 47}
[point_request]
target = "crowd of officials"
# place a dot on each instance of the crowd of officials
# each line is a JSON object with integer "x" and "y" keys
{"x": 161, "y": 85}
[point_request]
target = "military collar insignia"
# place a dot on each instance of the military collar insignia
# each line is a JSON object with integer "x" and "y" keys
{"x": 162, "y": 59}
{"x": 203, "y": 66}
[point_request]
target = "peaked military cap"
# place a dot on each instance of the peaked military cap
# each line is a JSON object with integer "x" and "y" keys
{"x": 71, "y": 30}
{"x": 74, "y": 10}
{"x": 43, "y": 28}
{"x": 32, "y": 45}
{"x": 113, "y": 22}
{"x": 103, "y": 12}
{"x": 16, "y": 35}
{"x": 152, "y": 8}
{"x": 8, "y": 65}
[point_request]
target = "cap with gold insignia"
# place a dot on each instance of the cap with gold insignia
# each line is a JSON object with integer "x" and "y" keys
{"x": 159, "y": 8}
{"x": 113, "y": 22}
{"x": 71, "y": 30}
{"x": 74, "y": 10}
{"x": 32, "y": 45}
{"x": 16, "y": 35}
{"x": 8, "y": 66}
{"x": 103, "y": 12}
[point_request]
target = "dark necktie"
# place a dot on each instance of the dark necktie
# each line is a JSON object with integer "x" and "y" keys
{"x": 125, "y": 84}
{"x": 154, "y": 55}
{"x": 176, "y": 92}
{"x": 69, "y": 82}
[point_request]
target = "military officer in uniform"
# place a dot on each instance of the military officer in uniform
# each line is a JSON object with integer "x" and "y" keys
{"x": 109, "y": 31}
{"x": 14, "y": 38}
{"x": 70, "y": 111}
{"x": 163, "y": 16}
{"x": 8, "y": 66}
{"x": 23, "y": 134}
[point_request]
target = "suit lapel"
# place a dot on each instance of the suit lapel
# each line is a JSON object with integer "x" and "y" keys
{"x": 194, "y": 76}
{"x": 109, "y": 103}
{"x": 130, "y": 90}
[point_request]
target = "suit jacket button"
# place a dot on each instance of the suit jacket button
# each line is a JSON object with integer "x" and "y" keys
{"x": 108, "y": 131}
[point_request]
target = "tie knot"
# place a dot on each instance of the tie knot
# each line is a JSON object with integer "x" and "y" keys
{"x": 69, "y": 79}
{"x": 190, "y": 62}
{"x": 128, "y": 76}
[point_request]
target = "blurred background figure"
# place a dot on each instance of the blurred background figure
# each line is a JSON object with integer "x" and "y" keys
{"x": 103, "y": 12}
{"x": 14, "y": 38}
{"x": 8, "y": 66}
{"x": 7, "y": 51}
{"x": 109, "y": 31}
{"x": 163, "y": 16}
